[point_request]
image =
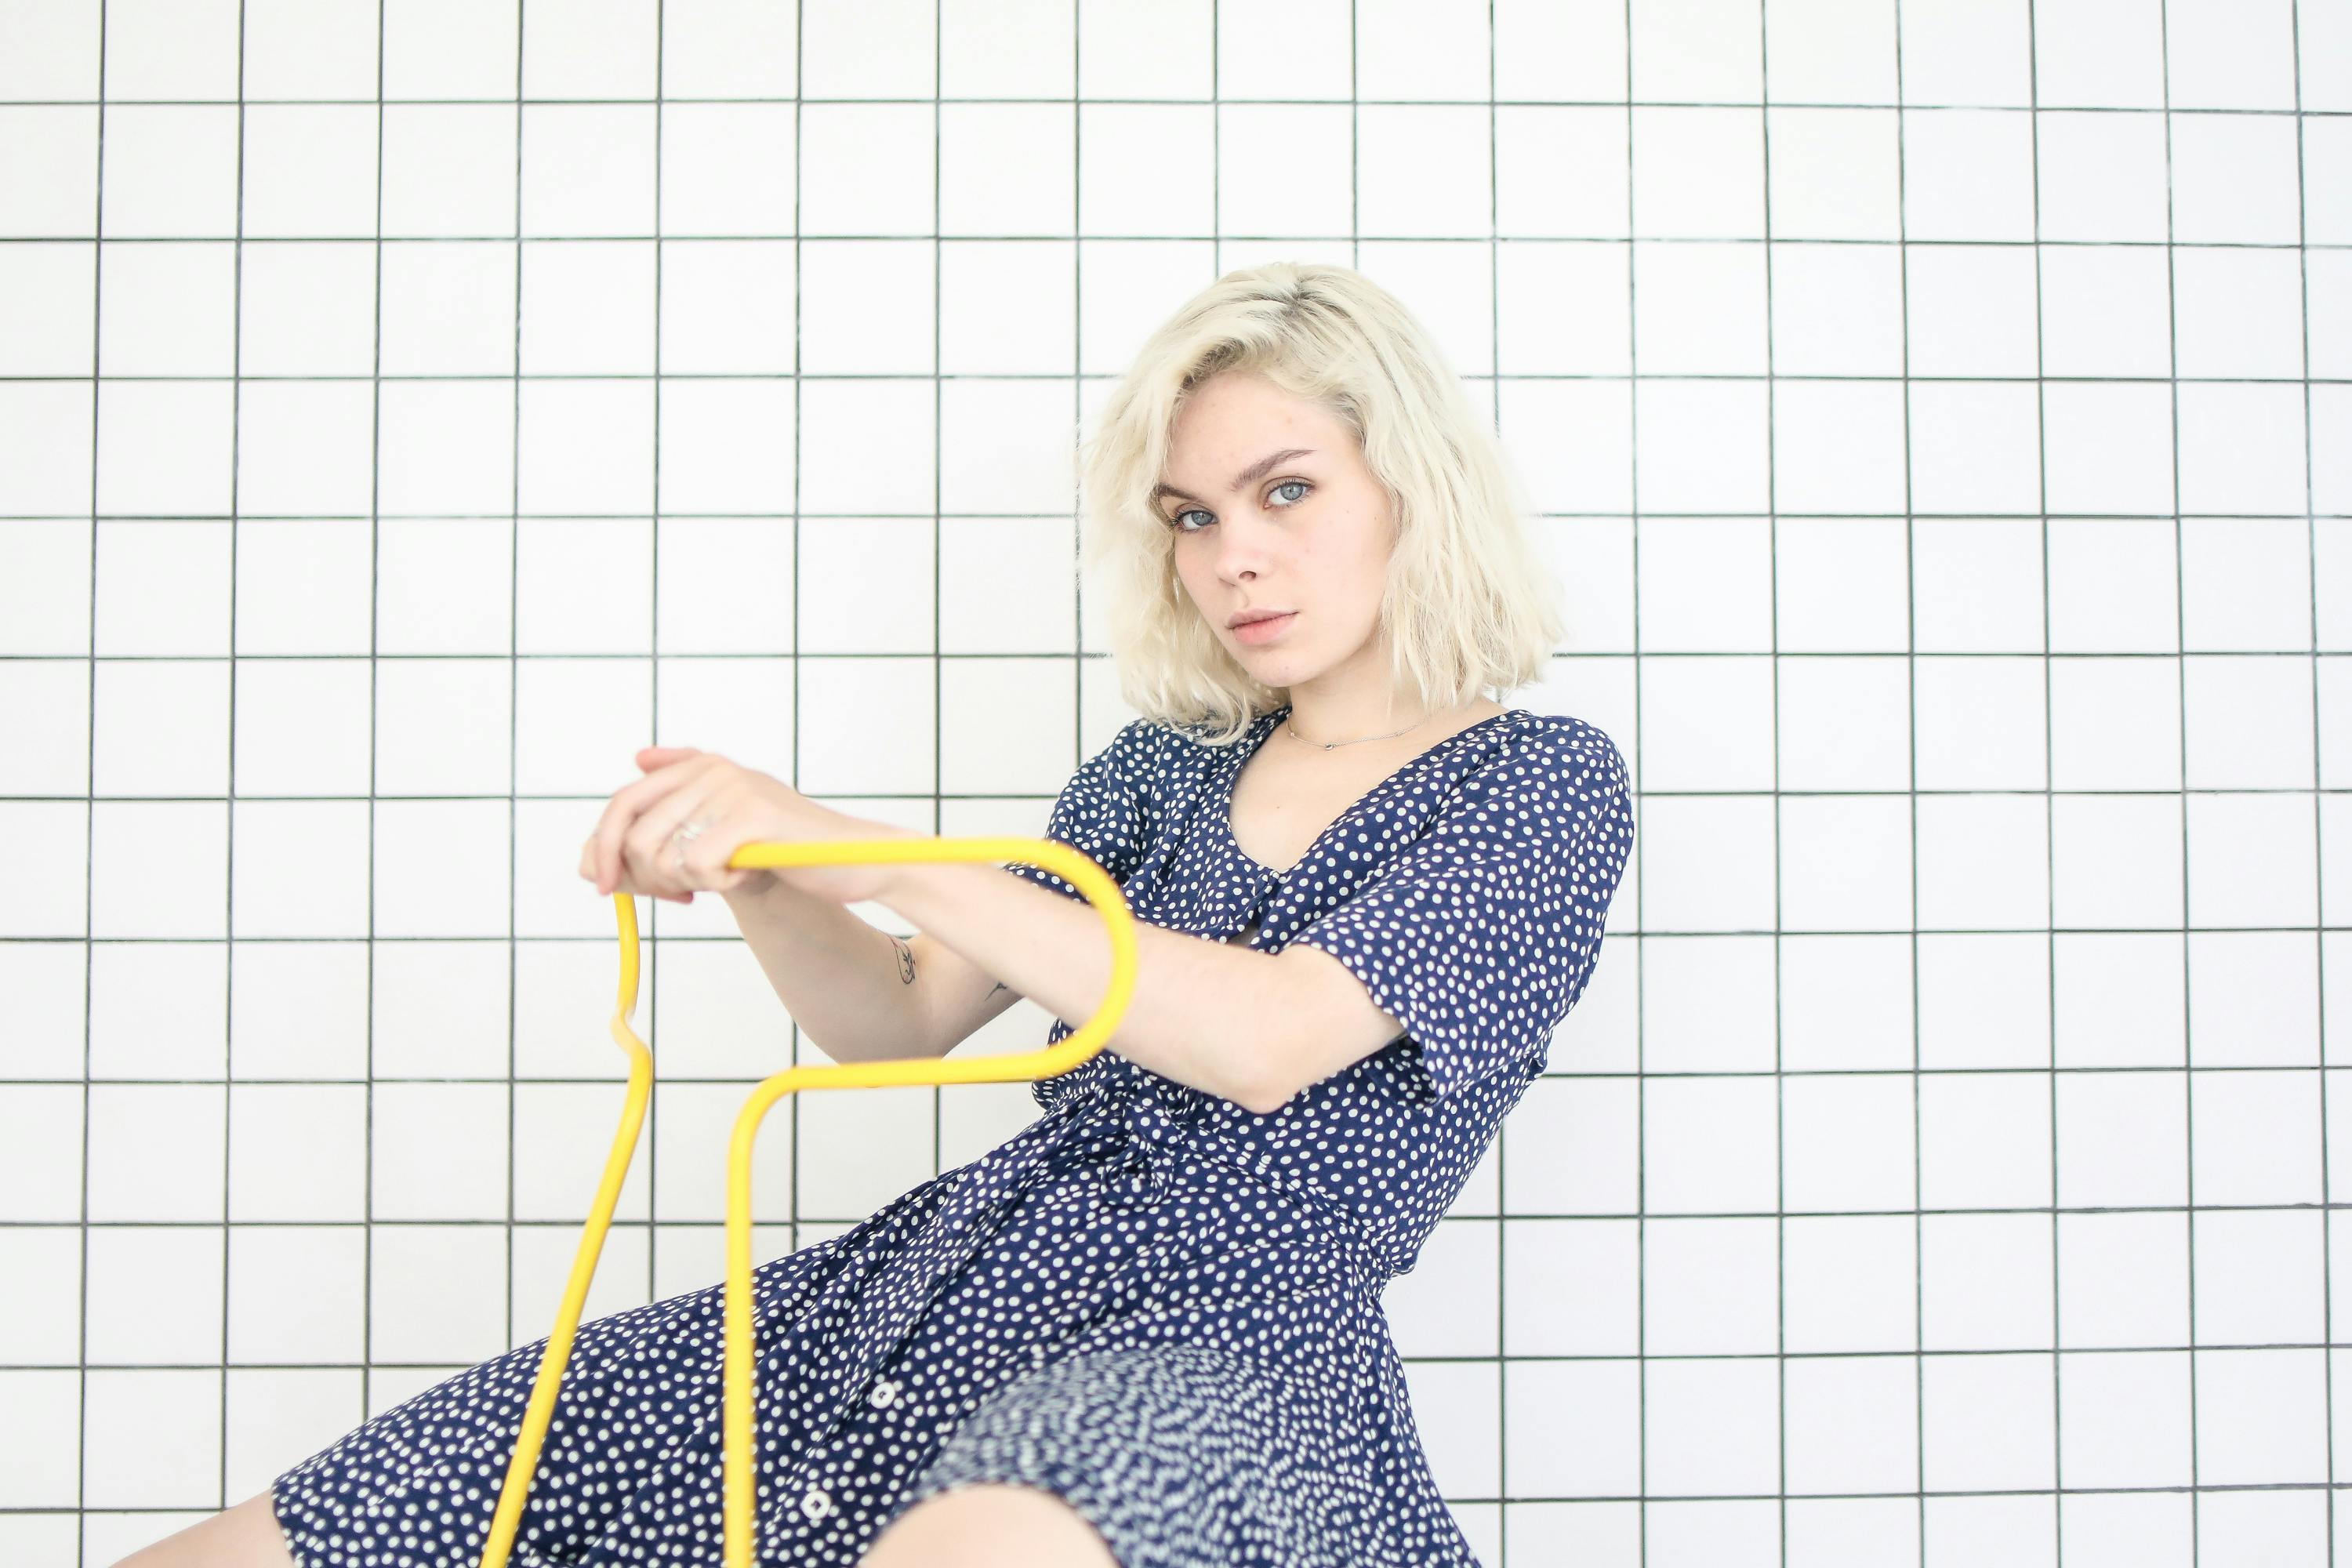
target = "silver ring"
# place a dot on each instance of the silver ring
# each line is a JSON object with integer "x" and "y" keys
{"x": 684, "y": 834}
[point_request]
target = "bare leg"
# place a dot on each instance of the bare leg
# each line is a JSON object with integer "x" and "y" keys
{"x": 246, "y": 1536}
{"x": 989, "y": 1526}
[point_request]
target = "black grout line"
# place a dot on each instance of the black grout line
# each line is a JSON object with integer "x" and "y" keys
{"x": 828, "y": 101}
{"x": 1640, "y": 1041}
{"x": 1779, "y": 846}
{"x": 228, "y": 874}
{"x": 89, "y": 820}
{"x": 376, "y": 710}
{"x": 2217, "y": 1070}
{"x": 1799, "y": 655}
{"x": 1661, "y": 241}
{"x": 1513, "y": 1216}
{"x": 2181, "y": 678}
{"x": 1911, "y": 759}
{"x": 2318, "y": 755}
{"x": 554, "y": 377}
{"x": 1502, "y": 1128}
{"x": 650, "y": 1133}
{"x": 1078, "y": 752}
{"x": 514, "y": 665}
{"x": 1437, "y": 1358}
{"x": 1506, "y": 1501}
{"x": 1918, "y": 1141}
{"x": 1561, "y": 1075}
{"x": 800, "y": 521}
{"x": 2049, "y": 837}
{"x": 1957, "y": 792}
{"x": 939, "y": 437}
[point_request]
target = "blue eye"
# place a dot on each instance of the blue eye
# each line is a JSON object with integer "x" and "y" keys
{"x": 1177, "y": 521}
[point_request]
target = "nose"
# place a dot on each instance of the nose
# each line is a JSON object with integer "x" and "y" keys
{"x": 1242, "y": 548}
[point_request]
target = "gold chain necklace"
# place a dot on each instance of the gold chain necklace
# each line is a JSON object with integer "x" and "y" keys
{"x": 1333, "y": 745}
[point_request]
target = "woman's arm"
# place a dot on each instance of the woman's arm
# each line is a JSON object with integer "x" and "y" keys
{"x": 1202, "y": 1013}
{"x": 847, "y": 984}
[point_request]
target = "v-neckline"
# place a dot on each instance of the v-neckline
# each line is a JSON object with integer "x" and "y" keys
{"x": 1224, "y": 809}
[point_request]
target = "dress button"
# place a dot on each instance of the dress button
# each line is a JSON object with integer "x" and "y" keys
{"x": 816, "y": 1504}
{"x": 885, "y": 1394}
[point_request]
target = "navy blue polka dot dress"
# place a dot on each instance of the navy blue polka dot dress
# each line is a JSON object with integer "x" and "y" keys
{"x": 1151, "y": 1301}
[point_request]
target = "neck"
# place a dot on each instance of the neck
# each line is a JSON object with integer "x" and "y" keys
{"x": 1327, "y": 723}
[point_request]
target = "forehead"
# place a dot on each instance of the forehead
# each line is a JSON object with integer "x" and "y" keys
{"x": 1234, "y": 453}
{"x": 1242, "y": 401}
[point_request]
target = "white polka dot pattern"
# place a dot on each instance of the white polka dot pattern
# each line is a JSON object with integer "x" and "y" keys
{"x": 1153, "y": 1302}
{"x": 1478, "y": 935}
{"x": 1218, "y": 1483}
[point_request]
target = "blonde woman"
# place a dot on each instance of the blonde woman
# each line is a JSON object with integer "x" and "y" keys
{"x": 1147, "y": 1329}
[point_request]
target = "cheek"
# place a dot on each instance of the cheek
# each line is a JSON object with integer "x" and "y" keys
{"x": 1341, "y": 557}
{"x": 1191, "y": 573}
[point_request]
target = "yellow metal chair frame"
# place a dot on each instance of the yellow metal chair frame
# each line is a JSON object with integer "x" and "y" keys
{"x": 1062, "y": 860}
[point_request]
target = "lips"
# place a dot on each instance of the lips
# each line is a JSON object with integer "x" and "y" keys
{"x": 1265, "y": 629}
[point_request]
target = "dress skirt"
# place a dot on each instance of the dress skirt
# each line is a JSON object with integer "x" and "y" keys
{"x": 1190, "y": 1355}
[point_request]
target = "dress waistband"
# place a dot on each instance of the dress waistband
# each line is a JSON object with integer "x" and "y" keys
{"x": 1135, "y": 1141}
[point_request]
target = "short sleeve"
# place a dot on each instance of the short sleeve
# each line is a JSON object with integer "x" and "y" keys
{"x": 1480, "y": 935}
{"x": 1101, "y": 812}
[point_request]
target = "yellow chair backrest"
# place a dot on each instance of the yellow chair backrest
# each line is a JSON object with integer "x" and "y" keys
{"x": 1065, "y": 862}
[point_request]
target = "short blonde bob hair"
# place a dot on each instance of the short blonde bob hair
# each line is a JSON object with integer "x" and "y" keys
{"x": 1469, "y": 607}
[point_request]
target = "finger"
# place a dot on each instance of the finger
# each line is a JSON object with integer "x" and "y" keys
{"x": 623, "y": 883}
{"x": 628, "y": 802}
{"x": 732, "y": 814}
{"x": 588, "y": 870}
{"x": 701, "y": 862}
{"x": 747, "y": 812}
{"x": 649, "y": 848}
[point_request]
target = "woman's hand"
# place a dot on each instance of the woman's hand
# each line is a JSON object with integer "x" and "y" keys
{"x": 638, "y": 846}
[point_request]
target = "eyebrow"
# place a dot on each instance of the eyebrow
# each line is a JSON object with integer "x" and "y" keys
{"x": 1255, "y": 471}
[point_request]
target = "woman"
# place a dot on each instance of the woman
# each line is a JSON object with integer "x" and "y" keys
{"x": 1146, "y": 1330}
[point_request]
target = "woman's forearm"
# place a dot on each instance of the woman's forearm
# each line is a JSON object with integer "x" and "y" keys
{"x": 1199, "y": 1009}
{"x": 842, "y": 979}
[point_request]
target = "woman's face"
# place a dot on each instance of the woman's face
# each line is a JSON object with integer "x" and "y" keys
{"x": 1308, "y": 533}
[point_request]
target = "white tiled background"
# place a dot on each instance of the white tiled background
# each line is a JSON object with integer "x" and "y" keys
{"x": 1937, "y": 410}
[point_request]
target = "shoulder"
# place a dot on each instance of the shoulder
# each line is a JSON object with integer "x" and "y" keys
{"x": 1549, "y": 773}
{"x": 1141, "y": 750}
{"x": 1575, "y": 754}
{"x": 1151, "y": 752}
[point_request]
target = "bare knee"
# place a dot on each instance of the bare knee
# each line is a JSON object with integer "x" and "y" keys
{"x": 993, "y": 1525}
{"x": 246, "y": 1536}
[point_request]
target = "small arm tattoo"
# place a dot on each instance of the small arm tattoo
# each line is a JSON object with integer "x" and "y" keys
{"x": 907, "y": 965}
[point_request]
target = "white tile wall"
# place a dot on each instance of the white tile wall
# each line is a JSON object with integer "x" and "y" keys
{"x": 1938, "y": 414}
